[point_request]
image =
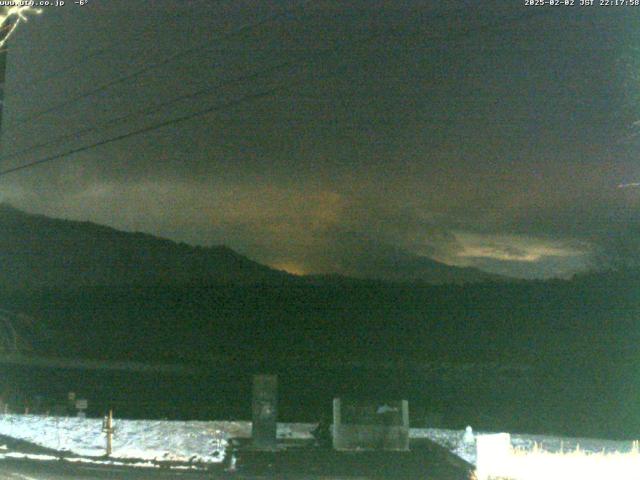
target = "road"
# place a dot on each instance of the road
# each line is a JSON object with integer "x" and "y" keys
{"x": 57, "y": 470}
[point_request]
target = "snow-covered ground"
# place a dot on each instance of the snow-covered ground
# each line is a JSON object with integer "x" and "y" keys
{"x": 158, "y": 440}
{"x": 146, "y": 440}
{"x": 453, "y": 440}
{"x": 196, "y": 441}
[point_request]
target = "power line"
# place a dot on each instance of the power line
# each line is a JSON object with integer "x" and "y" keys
{"x": 151, "y": 109}
{"x": 245, "y": 98}
{"x": 155, "y": 108}
{"x": 156, "y": 126}
{"x": 206, "y": 111}
{"x": 153, "y": 66}
{"x": 117, "y": 121}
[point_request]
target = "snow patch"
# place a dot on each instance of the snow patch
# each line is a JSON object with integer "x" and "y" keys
{"x": 133, "y": 439}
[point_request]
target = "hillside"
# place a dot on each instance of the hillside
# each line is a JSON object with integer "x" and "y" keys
{"x": 40, "y": 252}
{"x": 154, "y": 297}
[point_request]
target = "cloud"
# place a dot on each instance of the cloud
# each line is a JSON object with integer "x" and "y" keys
{"x": 516, "y": 248}
{"x": 523, "y": 256}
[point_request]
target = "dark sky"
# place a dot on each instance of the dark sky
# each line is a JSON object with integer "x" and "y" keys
{"x": 477, "y": 133}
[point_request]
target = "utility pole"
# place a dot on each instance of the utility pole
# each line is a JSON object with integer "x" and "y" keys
{"x": 3, "y": 68}
{"x": 9, "y": 20}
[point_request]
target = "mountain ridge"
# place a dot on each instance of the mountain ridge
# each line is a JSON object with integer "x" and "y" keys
{"x": 37, "y": 251}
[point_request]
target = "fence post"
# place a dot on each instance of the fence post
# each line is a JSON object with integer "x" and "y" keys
{"x": 108, "y": 429}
